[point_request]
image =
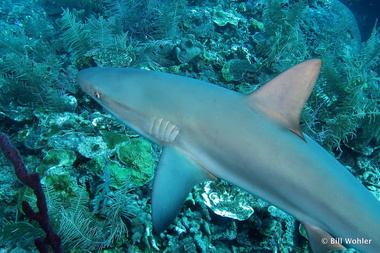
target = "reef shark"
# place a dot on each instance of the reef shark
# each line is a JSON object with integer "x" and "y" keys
{"x": 252, "y": 141}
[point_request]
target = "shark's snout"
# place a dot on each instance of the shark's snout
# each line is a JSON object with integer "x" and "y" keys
{"x": 85, "y": 79}
{"x": 82, "y": 77}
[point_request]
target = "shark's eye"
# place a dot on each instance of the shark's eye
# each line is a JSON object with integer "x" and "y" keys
{"x": 97, "y": 94}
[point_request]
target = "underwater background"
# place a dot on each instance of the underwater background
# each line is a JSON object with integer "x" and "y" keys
{"x": 97, "y": 174}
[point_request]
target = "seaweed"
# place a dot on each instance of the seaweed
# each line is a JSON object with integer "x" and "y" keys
{"x": 148, "y": 20}
{"x": 31, "y": 67}
{"x": 82, "y": 229}
{"x": 371, "y": 50}
{"x": 79, "y": 229}
{"x": 75, "y": 36}
{"x": 351, "y": 84}
{"x": 32, "y": 180}
{"x": 97, "y": 41}
{"x": 348, "y": 84}
{"x": 284, "y": 40}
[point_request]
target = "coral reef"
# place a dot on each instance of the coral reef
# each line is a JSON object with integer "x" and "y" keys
{"x": 32, "y": 181}
{"x": 97, "y": 173}
{"x": 137, "y": 156}
{"x": 232, "y": 203}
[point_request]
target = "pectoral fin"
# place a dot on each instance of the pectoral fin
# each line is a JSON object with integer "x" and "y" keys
{"x": 321, "y": 241}
{"x": 177, "y": 174}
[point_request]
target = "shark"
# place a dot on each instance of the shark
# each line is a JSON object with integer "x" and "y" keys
{"x": 252, "y": 141}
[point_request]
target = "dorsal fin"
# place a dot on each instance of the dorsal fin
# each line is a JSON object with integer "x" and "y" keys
{"x": 284, "y": 97}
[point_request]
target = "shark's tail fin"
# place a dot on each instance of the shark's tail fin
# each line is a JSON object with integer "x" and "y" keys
{"x": 321, "y": 241}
